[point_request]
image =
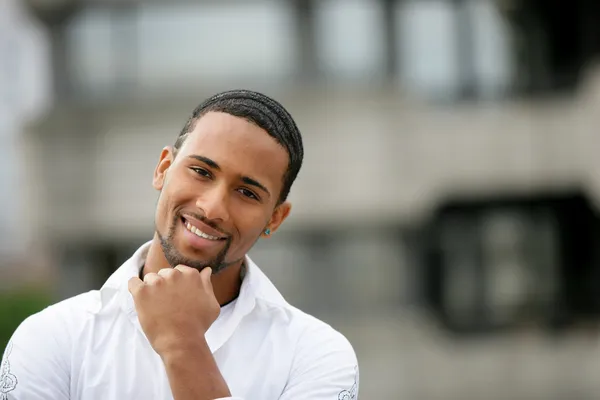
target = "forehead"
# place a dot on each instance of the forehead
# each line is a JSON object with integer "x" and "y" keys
{"x": 237, "y": 145}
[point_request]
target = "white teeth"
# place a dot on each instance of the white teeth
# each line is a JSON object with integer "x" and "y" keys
{"x": 198, "y": 232}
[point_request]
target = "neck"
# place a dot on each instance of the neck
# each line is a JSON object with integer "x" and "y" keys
{"x": 226, "y": 284}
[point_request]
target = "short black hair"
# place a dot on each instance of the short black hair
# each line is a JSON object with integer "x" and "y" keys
{"x": 262, "y": 111}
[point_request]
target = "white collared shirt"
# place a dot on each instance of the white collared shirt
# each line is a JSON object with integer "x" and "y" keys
{"x": 92, "y": 347}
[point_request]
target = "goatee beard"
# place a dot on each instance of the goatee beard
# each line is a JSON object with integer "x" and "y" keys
{"x": 175, "y": 258}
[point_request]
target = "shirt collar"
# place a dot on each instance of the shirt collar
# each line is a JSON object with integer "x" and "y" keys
{"x": 256, "y": 285}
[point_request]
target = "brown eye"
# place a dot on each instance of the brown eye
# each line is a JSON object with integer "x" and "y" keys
{"x": 248, "y": 194}
{"x": 201, "y": 171}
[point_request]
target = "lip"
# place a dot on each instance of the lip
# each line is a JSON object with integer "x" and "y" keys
{"x": 203, "y": 227}
{"x": 199, "y": 243}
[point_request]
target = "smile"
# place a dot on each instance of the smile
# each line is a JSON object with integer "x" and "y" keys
{"x": 199, "y": 233}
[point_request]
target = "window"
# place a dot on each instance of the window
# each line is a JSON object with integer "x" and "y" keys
{"x": 154, "y": 47}
{"x": 350, "y": 39}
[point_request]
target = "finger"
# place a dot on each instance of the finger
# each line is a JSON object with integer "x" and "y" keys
{"x": 206, "y": 273}
{"x": 185, "y": 269}
{"x": 134, "y": 285}
{"x": 167, "y": 272}
{"x": 205, "y": 276}
{"x": 151, "y": 278}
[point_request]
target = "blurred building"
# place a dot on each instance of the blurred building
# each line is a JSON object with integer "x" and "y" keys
{"x": 24, "y": 96}
{"x": 450, "y": 152}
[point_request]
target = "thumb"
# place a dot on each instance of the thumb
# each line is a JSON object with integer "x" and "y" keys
{"x": 205, "y": 275}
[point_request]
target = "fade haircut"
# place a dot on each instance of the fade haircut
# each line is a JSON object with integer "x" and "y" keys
{"x": 262, "y": 111}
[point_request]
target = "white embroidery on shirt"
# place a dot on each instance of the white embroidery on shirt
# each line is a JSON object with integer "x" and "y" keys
{"x": 352, "y": 393}
{"x": 8, "y": 382}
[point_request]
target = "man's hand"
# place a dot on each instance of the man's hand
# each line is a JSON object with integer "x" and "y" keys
{"x": 175, "y": 306}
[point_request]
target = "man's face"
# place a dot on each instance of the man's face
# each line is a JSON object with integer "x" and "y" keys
{"x": 219, "y": 193}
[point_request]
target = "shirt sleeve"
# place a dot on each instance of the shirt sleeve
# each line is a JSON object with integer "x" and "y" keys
{"x": 325, "y": 368}
{"x": 33, "y": 364}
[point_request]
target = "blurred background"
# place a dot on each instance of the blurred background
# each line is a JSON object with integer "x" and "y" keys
{"x": 446, "y": 216}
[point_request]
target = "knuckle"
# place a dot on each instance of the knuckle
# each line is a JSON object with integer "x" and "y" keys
{"x": 183, "y": 269}
{"x": 189, "y": 273}
{"x": 153, "y": 279}
{"x": 166, "y": 273}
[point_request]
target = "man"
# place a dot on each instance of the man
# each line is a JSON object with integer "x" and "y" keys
{"x": 190, "y": 316}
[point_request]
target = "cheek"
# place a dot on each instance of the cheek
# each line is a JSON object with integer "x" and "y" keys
{"x": 160, "y": 214}
{"x": 164, "y": 207}
{"x": 250, "y": 223}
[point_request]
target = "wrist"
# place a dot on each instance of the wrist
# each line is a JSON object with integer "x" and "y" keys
{"x": 183, "y": 361}
{"x": 175, "y": 348}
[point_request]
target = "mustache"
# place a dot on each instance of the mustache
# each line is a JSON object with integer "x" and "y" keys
{"x": 205, "y": 220}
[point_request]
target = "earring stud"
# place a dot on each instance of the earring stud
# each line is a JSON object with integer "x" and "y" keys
{"x": 267, "y": 231}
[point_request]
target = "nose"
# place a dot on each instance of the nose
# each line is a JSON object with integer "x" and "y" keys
{"x": 214, "y": 203}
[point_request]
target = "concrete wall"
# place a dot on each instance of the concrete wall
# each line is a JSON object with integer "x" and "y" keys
{"x": 370, "y": 157}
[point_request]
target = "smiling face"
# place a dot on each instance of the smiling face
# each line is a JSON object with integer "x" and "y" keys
{"x": 219, "y": 193}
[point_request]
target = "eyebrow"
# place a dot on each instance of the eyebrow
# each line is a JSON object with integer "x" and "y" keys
{"x": 246, "y": 179}
{"x": 252, "y": 182}
{"x": 206, "y": 161}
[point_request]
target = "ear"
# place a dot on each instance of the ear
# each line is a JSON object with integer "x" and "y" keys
{"x": 280, "y": 213}
{"x": 164, "y": 162}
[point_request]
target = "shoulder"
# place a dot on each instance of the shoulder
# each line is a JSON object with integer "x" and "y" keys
{"x": 59, "y": 322}
{"x": 314, "y": 339}
{"x": 311, "y": 336}
{"x": 324, "y": 364}
{"x": 39, "y": 352}
{"x": 320, "y": 342}
{"x": 64, "y": 314}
